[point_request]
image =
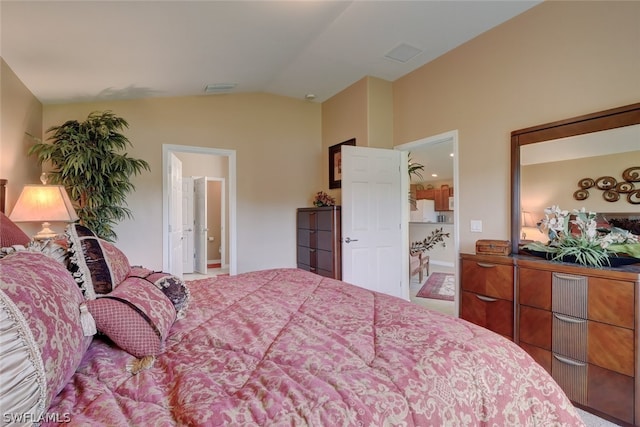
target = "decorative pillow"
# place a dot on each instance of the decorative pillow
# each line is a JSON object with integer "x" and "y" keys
{"x": 97, "y": 265}
{"x": 173, "y": 287}
{"x": 11, "y": 234}
{"x": 40, "y": 331}
{"x": 55, "y": 249}
{"x": 136, "y": 316}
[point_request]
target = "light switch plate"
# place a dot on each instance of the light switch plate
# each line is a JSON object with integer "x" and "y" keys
{"x": 476, "y": 226}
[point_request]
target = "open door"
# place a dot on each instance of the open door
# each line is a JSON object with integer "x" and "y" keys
{"x": 200, "y": 224}
{"x": 187, "y": 225}
{"x": 375, "y": 240}
{"x": 175, "y": 216}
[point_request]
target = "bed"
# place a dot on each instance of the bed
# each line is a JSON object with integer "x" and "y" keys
{"x": 269, "y": 348}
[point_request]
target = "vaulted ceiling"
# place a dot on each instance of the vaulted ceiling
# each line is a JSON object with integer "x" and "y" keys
{"x": 71, "y": 51}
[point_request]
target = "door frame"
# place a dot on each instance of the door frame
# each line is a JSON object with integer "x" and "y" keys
{"x": 231, "y": 158}
{"x": 432, "y": 140}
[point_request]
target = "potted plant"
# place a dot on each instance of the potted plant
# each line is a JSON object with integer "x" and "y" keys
{"x": 87, "y": 159}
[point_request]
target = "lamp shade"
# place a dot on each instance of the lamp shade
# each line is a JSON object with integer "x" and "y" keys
{"x": 527, "y": 220}
{"x": 43, "y": 203}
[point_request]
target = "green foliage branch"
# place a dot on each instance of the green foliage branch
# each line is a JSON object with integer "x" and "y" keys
{"x": 87, "y": 159}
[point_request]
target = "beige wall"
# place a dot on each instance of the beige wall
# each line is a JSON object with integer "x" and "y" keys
{"x": 363, "y": 111}
{"x": 380, "y": 113}
{"x": 20, "y": 112}
{"x": 555, "y": 61}
{"x": 278, "y": 146}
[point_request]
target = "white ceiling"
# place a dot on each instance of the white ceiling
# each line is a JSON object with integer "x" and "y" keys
{"x": 72, "y": 51}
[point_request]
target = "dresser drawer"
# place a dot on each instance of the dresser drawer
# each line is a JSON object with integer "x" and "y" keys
{"x": 611, "y": 393}
{"x": 535, "y": 327}
{"x": 611, "y": 347}
{"x": 540, "y": 355}
{"x": 488, "y": 278}
{"x": 492, "y": 313}
{"x": 534, "y": 288}
{"x": 307, "y": 219}
{"x": 324, "y": 220}
{"x": 306, "y": 256}
{"x": 307, "y": 238}
{"x": 611, "y": 301}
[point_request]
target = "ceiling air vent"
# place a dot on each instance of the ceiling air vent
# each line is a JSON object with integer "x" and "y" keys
{"x": 219, "y": 88}
{"x": 403, "y": 53}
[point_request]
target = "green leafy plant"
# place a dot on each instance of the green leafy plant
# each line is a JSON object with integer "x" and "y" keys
{"x": 414, "y": 169}
{"x": 579, "y": 237}
{"x": 87, "y": 159}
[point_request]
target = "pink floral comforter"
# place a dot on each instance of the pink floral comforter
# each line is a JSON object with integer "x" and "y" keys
{"x": 287, "y": 347}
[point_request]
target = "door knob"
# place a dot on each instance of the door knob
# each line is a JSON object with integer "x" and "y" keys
{"x": 349, "y": 240}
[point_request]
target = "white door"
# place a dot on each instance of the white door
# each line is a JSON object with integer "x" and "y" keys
{"x": 187, "y": 225}
{"x": 200, "y": 224}
{"x": 374, "y": 205}
{"x": 175, "y": 216}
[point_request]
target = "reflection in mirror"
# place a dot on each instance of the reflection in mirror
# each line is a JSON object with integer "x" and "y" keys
{"x": 550, "y": 160}
{"x": 552, "y": 170}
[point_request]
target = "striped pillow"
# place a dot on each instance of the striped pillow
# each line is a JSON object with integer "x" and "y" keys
{"x": 97, "y": 265}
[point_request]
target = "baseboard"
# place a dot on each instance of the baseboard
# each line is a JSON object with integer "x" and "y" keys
{"x": 441, "y": 263}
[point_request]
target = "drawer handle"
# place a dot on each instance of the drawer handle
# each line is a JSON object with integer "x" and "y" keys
{"x": 568, "y": 319}
{"x": 485, "y": 265}
{"x": 486, "y": 299}
{"x": 567, "y": 277}
{"x": 312, "y": 250}
{"x": 569, "y": 361}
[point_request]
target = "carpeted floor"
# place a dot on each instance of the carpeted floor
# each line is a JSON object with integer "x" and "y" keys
{"x": 591, "y": 420}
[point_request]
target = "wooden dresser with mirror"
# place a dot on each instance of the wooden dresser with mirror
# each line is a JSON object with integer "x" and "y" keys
{"x": 582, "y": 324}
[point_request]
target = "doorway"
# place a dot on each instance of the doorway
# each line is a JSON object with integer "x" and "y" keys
{"x": 441, "y": 149}
{"x": 199, "y": 163}
{"x": 204, "y": 224}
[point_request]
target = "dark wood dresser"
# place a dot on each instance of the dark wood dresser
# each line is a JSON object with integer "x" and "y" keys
{"x": 319, "y": 241}
{"x": 580, "y": 323}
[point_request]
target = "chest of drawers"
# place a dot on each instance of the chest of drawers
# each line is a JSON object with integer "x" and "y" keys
{"x": 318, "y": 241}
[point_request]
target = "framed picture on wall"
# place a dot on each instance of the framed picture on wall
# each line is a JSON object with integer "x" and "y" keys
{"x": 335, "y": 163}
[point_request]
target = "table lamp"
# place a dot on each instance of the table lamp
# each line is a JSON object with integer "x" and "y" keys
{"x": 44, "y": 203}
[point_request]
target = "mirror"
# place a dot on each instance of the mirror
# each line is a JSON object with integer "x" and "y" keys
{"x": 549, "y": 161}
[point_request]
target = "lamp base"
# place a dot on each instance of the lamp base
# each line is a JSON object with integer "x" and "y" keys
{"x": 45, "y": 233}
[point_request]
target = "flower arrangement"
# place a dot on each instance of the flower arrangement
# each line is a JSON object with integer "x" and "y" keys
{"x": 578, "y": 236}
{"x": 323, "y": 199}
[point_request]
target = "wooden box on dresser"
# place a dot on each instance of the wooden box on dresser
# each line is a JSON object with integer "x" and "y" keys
{"x": 581, "y": 325}
{"x": 319, "y": 240}
{"x": 487, "y": 297}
